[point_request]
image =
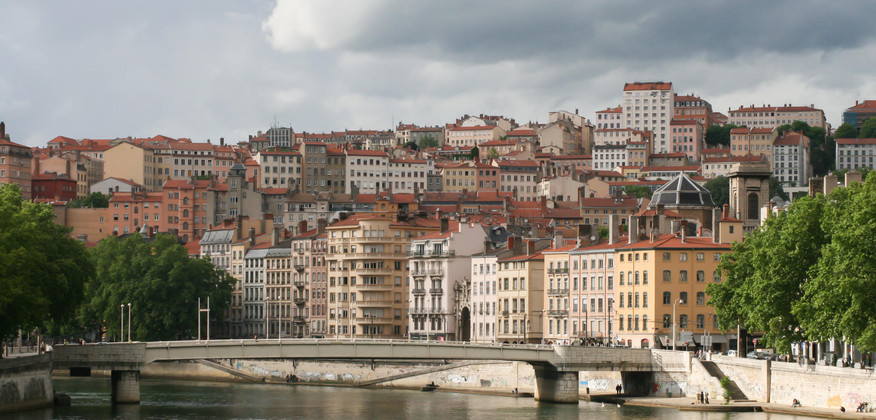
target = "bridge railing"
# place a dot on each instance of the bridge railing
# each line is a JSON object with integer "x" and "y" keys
{"x": 358, "y": 341}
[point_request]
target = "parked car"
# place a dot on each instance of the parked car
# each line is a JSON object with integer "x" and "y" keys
{"x": 760, "y": 355}
{"x": 731, "y": 353}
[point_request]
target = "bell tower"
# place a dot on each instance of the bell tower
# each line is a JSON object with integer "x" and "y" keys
{"x": 749, "y": 191}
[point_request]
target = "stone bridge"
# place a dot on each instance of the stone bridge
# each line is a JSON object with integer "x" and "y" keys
{"x": 556, "y": 367}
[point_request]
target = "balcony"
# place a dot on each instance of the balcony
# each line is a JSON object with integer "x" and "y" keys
{"x": 373, "y": 303}
{"x": 300, "y": 301}
{"x": 299, "y": 283}
{"x": 442, "y": 253}
{"x": 418, "y": 292}
{"x": 373, "y": 319}
{"x": 299, "y": 250}
{"x": 563, "y": 271}
{"x": 378, "y": 270}
{"x": 558, "y": 312}
{"x": 551, "y": 270}
{"x": 436, "y": 292}
{"x": 505, "y": 313}
{"x": 368, "y": 255}
{"x": 299, "y": 267}
{"x": 299, "y": 320}
{"x": 416, "y": 254}
{"x": 558, "y": 292}
{"x": 374, "y": 286}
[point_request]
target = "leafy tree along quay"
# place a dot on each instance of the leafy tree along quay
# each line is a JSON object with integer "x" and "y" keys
{"x": 808, "y": 273}
{"x": 159, "y": 280}
{"x": 42, "y": 271}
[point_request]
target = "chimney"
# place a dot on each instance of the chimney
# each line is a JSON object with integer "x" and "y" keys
{"x": 613, "y": 229}
{"x": 252, "y": 236}
{"x": 558, "y": 239}
{"x": 661, "y": 209}
{"x": 716, "y": 225}
{"x": 633, "y": 226}
{"x": 275, "y": 236}
{"x": 530, "y": 247}
{"x": 302, "y": 227}
{"x": 673, "y": 226}
{"x": 3, "y": 129}
{"x": 222, "y": 141}
{"x": 320, "y": 225}
{"x": 543, "y": 204}
{"x": 725, "y": 211}
{"x": 488, "y": 245}
{"x": 584, "y": 234}
{"x": 238, "y": 232}
{"x": 511, "y": 242}
{"x": 683, "y": 230}
{"x": 445, "y": 224}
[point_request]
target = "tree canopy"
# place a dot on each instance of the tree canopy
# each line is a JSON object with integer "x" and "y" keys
{"x": 868, "y": 130}
{"x": 475, "y": 152}
{"x": 493, "y": 153}
{"x": 94, "y": 200}
{"x": 159, "y": 280}
{"x": 821, "y": 146}
{"x": 808, "y": 273}
{"x": 719, "y": 186}
{"x": 846, "y": 131}
{"x": 428, "y": 141}
{"x": 719, "y": 135}
{"x": 42, "y": 271}
{"x": 638, "y": 191}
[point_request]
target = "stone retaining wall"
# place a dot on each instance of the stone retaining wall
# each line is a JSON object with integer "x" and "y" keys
{"x": 26, "y": 383}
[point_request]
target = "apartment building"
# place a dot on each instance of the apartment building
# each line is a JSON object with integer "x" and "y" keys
{"x": 593, "y": 288}
{"x": 484, "y": 283}
{"x": 438, "y": 264}
{"x": 368, "y": 274}
{"x": 279, "y": 297}
{"x": 367, "y": 170}
{"x": 687, "y": 137}
{"x": 606, "y": 157}
{"x": 254, "y": 297}
{"x": 857, "y": 115}
{"x": 753, "y": 141}
{"x": 649, "y": 106}
{"x": 520, "y": 295}
{"x": 664, "y": 286}
{"x": 473, "y": 136}
{"x": 855, "y": 153}
{"x": 555, "y": 321}
{"x": 128, "y": 212}
{"x": 768, "y": 116}
{"x": 133, "y": 162}
{"x": 694, "y": 108}
{"x": 409, "y": 175}
{"x": 598, "y": 211}
{"x": 189, "y": 206}
{"x": 324, "y": 168}
{"x": 791, "y": 159}
{"x": 521, "y": 176}
{"x": 279, "y": 169}
{"x": 609, "y": 118}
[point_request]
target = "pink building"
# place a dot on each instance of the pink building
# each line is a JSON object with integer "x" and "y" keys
{"x": 686, "y": 136}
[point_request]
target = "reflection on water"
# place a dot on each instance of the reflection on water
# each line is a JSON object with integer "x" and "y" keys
{"x": 211, "y": 400}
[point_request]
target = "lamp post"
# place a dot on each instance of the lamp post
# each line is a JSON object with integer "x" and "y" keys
{"x": 524, "y": 328}
{"x": 673, "y": 321}
{"x": 129, "y": 322}
{"x": 122, "y": 322}
{"x": 267, "y": 318}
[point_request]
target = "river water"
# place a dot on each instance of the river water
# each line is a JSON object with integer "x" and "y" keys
{"x": 216, "y": 400}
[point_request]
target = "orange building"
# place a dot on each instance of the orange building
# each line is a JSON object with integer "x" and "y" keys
{"x": 15, "y": 163}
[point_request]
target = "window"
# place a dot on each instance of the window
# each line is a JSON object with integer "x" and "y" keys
{"x": 667, "y": 321}
{"x": 700, "y": 256}
{"x": 701, "y": 321}
{"x": 682, "y": 256}
{"x": 701, "y": 298}
{"x": 682, "y": 275}
{"x": 667, "y": 298}
{"x": 683, "y": 298}
{"x": 701, "y": 276}
{"x": 682, "y": 321}
{"x": 645, "y": 299}
{"x": 667, "y": 275}
{"x": 667, "y": 256}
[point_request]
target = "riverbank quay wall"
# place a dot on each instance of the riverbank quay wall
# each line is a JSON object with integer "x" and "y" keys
{"x": 811, "y": 384}
{"x": 26, "y": 383}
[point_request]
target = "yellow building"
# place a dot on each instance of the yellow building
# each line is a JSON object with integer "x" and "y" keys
{"x": 663, "y": 276}
{"x": 746, "y": 141}
{"x": 459, "y": 176}
{"x": 131, "y": 162}
{"x": 520, "y": 296}
{"x": 367, "y": 274}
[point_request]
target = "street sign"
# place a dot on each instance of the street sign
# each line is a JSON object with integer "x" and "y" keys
{"x": 685, "y": 337}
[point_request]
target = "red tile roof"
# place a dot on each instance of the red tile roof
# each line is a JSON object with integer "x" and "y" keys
{"x": 671, "y": 241}
{"x": 865, "y": 105}
{"x": 615, "y": 110}
{"x": 855, "y": 141}
{"x": 479, "y": 127}
{"x": 647, "y": 86}
{"x": 357, "y": 152}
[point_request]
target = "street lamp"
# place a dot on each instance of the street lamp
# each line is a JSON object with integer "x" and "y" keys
{"x": 267, "y": 318}
{"x": 673, "y": 321}
{"x": 122, "y": 322}
{"x": 129, "y": 322}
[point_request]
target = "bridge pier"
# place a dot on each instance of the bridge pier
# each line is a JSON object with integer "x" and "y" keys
{"x": 555, "y": 386}
{"x": 126, "y": 386}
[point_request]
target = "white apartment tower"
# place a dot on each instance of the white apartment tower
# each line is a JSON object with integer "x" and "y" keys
{"x": 650, "y": 106}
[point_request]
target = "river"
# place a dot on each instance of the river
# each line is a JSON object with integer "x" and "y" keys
{"x": 163, "y": 399}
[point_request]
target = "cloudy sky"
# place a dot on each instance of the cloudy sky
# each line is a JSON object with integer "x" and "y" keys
{"x": 228, "y": 68}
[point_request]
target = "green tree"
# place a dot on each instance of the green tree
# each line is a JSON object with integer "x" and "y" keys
{"x": 776, "y": 189}
{"x": 846, "y": 131}
{"x": 720, "y": 189}
{"x": 42, "y": 271}
{"x": 717, "y": 135}
{"x": 94, "y": 200}
{"x": 159, "y": 280}
{"x": 475, "y": 153}
{"x": 821, "y": 146}
{"x": 765, "y": 275}
{"x": 838, "y": 301}
{"x": 868, "y": 130}
{"x": 493, "y": 153}
{"x": 638, "y": 191}
{"x": 603, "y": 232}
{"x": 428, "y": 141}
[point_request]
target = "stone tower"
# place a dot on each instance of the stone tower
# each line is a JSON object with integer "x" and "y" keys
{"x": 749, "y": 191}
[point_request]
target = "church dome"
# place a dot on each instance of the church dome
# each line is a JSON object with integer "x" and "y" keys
{"x": 681, "y": 192}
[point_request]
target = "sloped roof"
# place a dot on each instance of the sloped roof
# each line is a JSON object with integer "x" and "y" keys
{"x": 681, "y": 191}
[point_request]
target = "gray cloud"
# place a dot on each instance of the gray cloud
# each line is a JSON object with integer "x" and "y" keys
{"x": 209, "y": 69}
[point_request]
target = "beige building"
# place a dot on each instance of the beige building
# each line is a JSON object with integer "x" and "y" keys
{"x": 769, "y": 116}
{"x": 473, "y": 136}
{"x": 368, "y": 274}
{"x": 753, "y": 141}
{"x": 520, "y": 296}
{"x": 132, "y": 162}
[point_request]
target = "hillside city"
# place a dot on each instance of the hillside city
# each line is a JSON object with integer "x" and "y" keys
{"x": 483, "y": 229}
